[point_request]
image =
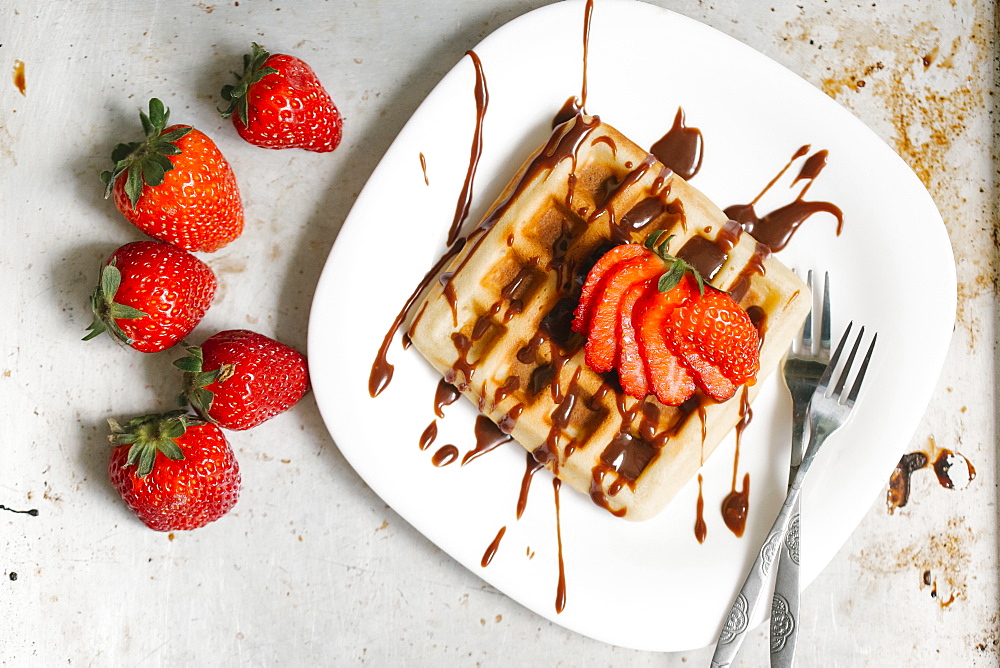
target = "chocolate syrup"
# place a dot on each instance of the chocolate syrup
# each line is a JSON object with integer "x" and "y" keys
{"x": 492, "y": 549}
{"x": 33, "y": 511}
{"x": 681, "y": 149}
{"x": 561, "y": 586}
{"x": 465, "y": 199}
{"x": 532, "y": 466}
{"x": 429, "y": 434}
{"x": 570, "y": 110}
{"x": 941, "y": 460}
{"x": 423, "y": 168}
{"x": 775, "y": 229}
{"x": 445, "y": 395}
{"x": 488, "y": 438}
{"x": 445, "y": 455}
{"x": 700, "y": 528}
{"x": 736, "y": 505}
{"x": 381, "y": 373}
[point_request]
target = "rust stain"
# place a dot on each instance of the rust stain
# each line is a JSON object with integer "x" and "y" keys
{"x": 940, "y": 561}
{"x": 931, "y": 87}
{"x": 19, "y": 76}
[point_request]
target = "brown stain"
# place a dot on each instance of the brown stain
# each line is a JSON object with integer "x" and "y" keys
{"x": 931, "y": 87}
{"x": 19, "y": 80}
{"x": 940, "y": 562}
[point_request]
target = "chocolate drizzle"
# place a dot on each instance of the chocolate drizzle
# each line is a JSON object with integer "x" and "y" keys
{"x": 465, "y": 199}
{"x": 681, "y": 148}
{"x": 488, "y": 438}
{"x": 775, "y": 229}
{"x": 492, "y": 549}
{"x": 952, "y": 470}
{"x": 736, "y": 505}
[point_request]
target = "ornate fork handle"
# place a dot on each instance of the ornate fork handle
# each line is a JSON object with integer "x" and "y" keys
{"x": 755, "y": 586}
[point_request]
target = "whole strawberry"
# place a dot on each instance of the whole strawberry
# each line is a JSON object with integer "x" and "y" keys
{"x": 279, "y": 102}
{"x": 174, "y": 470}
{"x": 150, "y": 295}
{"x": 240, "y": 379}
{"x": 175, "y": 185}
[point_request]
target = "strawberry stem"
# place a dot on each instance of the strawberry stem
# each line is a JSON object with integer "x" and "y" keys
{"x": 253, "y": 71}
{"x": 145, "y": 161}
{"x": 151, "y": 434}
{"x": 107, "y": 311}
{"x": 676, "y": 267}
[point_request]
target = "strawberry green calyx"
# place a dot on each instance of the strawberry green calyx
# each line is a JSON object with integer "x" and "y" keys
{"x": 106, "y": 310}
{"x": 253, "y": 71}
{"x": 145, "y": 161}
{"x": 676, "y": 267}
{"x": 151, "y": 434}
{"x": 196, "y": 381}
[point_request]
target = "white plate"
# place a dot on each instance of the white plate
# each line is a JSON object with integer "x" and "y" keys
{"x": 643, "y": 585}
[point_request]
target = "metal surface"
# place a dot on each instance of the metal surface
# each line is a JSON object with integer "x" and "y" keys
{"x": 301, "y": 578}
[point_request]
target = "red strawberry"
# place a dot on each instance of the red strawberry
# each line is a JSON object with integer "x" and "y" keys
{"x": 653, "y": 319}
{"x": 280, "y": 103}
{"x": 632, "y": 370}
{"x": 175, "y": 185}
{"x": 174, "y": 471}
{"x": 669, "y": 378}
{"x": 603, "y": 339}
{"x": 722, "y": 336}
{"x": 151, "y": 295}
{"x": 608, "y": 261}
{"x": 240, "y": 379}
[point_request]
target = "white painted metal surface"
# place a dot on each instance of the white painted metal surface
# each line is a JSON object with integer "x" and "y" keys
{"x": 311, "y": 566}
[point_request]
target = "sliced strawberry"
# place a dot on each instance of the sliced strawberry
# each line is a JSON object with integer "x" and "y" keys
{"x": 669, "y": 379}
{"x": 721, "y": 332}
{"x": 706, "y": 376}
{"x": 603, "y": 342}
{"x": 615, "y": 256}
{"x": 632, "y": 370}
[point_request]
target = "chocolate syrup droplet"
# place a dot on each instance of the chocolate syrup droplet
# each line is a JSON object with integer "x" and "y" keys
{"x": 430, "y": 433}
{"x": 445, "y": 455}
{"x": 736, "y": 506}
{"x": 33, "y": 511}
{"x": 492, "y": 549}
{"x": 488, "y": 437}
{"x": 700, "y": 528}
{"x": 561, "y": 586}
{"x": 681, "y": 148}
{"x": 532, "y": 466}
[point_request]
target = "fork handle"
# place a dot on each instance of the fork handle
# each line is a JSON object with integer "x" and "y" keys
{"x": 737, "y": 624}
{"x": 784, "y": 627}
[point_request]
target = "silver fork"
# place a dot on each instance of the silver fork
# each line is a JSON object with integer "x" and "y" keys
{"x": 801, "y": 371}
{"x": 828, "y": 412}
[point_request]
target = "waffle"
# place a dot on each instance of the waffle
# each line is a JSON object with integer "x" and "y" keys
{"x": 496, "y": 322}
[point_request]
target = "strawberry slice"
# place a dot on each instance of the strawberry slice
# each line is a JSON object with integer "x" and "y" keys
{"x": 706, "y": 376}
{"x": 615, "y": 256}
{"x": 632, "y": 370}
{"x": 720, "y": 332}
{"x": 669, "y": 378}
{"x": 602, "y": 340}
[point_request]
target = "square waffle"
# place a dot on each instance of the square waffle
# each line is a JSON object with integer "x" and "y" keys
{"x": 496, "y": 322}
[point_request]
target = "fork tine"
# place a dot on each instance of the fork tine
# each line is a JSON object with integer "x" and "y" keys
{"x": 807, "y": 326}
{"x": 824, "y": 380}
{"x": 824, "y": 325}
{"x": 861, "y": 373}
{"x": 839, "y": 388}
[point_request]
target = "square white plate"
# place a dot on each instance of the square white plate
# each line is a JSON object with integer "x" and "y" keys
{"x": 648, "y": 585}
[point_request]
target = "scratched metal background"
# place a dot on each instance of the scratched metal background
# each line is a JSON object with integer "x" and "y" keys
{"x": 83, "y": 583}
